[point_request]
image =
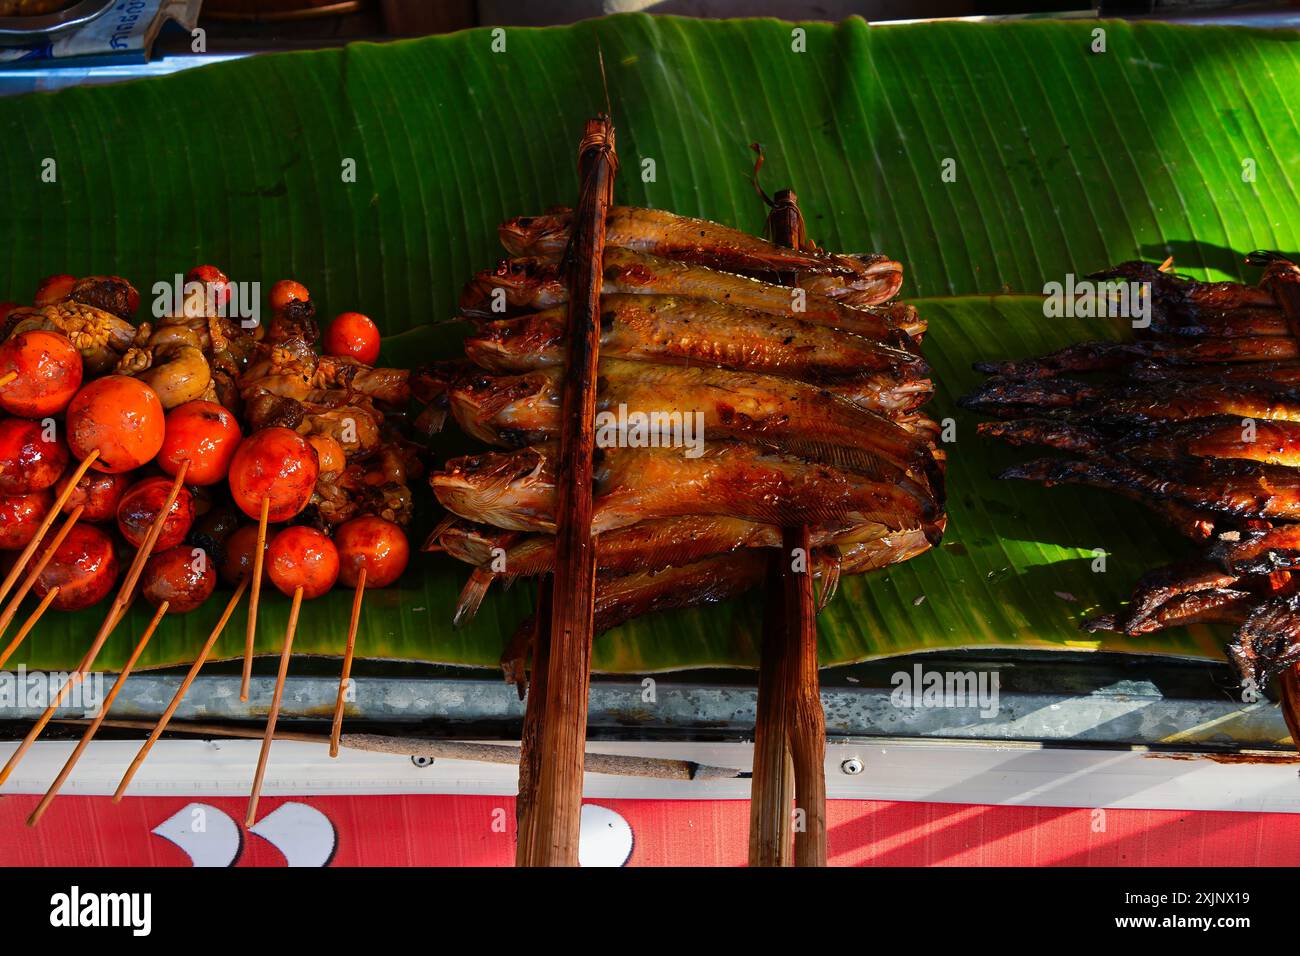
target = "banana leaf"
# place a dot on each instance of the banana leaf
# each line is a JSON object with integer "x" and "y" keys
{"x": 988, "y": 159}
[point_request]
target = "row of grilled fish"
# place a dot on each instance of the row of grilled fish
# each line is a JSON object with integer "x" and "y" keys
{"x": 1199, "y": 419}
{"x": 804, "y": 396}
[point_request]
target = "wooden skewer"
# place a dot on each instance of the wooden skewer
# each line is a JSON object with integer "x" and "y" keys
{"x": 556, "y": 813}
{"x": 7, "y": 378}
{"x": 53, "y": 792}
{"x": 251, "y": 817}
{"x": 790, "y": 725}
{"x": 16, "y": 601}
{"x": 180, "y": 693}
{"x": 30, "y": 623}
{"x": 115, "y": 613}
{"x": 259, "y": 554}
{"x": 55, "y": 510}
{"x": 336, "y": 729}
{"x": 75, "y": 678}
{"x": 530, "y": 751}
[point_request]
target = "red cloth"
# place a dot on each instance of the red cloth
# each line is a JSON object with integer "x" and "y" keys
{"x": 415, "y": 830}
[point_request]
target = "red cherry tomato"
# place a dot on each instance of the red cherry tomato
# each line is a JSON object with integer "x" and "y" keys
{"x": 120, "y": 416}
{"x": 373, "y": 543}
{"x": 302, "y": 557}
{"x": 238, "y": 561}
{"x": 84, "y": 568}
{"x": 183, "y": 576}
{"x": 98, "y": 493}
{"x": 206, "y": 434}
{"x": 21, "y": 516}
{"x": 49, "y": 373}
{"x": 276, "y": 464}
{"x": 32, "y": 456}
{"x": 353, "y": 335}
{"x": 143, "y": 502}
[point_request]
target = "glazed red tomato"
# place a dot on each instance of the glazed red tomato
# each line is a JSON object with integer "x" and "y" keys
{"x": 143, "y": 502}
{"x": 286, "y": 291}
{"x": 54, "y": 289}
{"x": 276, "y": 464}
{"x": 84, "y": 569}
{"x": 183, "y": 576}
{"x": 375, "y": 544}
{"x": 49, "y": 373}
{"x": 120, "y": 416}
{"x": 98, "y": 493}
{"x": 29, "y": 452}
{"x": 302, "y": 557}
{"x": 206, "y": 434}
{"x": 237, "y": 563}
{"x": 353, "y": 335}
{"x": 20, "y": 516}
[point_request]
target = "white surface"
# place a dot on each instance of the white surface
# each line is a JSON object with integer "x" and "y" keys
{"x": 912, "y": 770}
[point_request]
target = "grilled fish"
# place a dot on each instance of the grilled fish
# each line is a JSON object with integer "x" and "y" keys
{"x": 673, "y": 330}
{"x": 666, "y": 234}
{"x": 519, "y": 410}
{"x": 534, "y": 283}
{"x": 516, "y": 490}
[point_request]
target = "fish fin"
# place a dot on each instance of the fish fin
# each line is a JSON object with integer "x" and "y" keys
{"x": 830, "y": 577}
{"x": 433, "y": 542}
{"x": 471, "y": 596}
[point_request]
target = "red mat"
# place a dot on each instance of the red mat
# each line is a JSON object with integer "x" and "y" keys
{"x": 479, "y": 831}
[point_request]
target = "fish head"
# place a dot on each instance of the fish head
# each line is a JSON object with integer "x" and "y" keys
{"x": 513, "y": 490}
{"x": 529, "y": 235}
{"x": 525, "y": 281}
{"x": 525, "y": 342}
{"x": 500, "y": 409}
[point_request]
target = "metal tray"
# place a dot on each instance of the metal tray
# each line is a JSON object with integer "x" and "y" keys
{"x": 20, "y": 31}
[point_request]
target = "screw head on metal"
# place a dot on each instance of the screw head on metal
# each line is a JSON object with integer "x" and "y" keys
{"x": 852, "y": 766}
{"x": 422, "y": 761}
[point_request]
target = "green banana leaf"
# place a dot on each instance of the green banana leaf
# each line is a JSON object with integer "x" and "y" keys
{"x": 988, "y": 159}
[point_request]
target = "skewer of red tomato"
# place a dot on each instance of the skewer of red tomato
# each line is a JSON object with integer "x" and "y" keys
{"x": 272, "y": 477}
{"x": 301, "y": 562}
{"x": 372, "y": 551}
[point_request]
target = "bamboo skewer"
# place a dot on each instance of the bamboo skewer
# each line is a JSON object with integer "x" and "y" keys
{"x": 46, "y": 524}
{"x": 180, "y": 693}
{"x": 95, "y": 724}
{"x": 555, "y": 816}
{"x": 790, "y": 726}
{"x": 29, "y": 624}
{"x": 115, "y": 614}
{"x": 7, "y": 378}
{"x": 251, "y": 816}
{"x": 75, "y": 678}
{"x": 530, "y": 751}
{"x": 259, "y": 556}
{"x": 16, "y": 601}
{"x": 336, "y": 729}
